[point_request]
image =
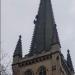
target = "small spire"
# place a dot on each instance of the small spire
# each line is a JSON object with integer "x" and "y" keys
{"x": 18, "y": 49}
{"x": 69, "y": 61}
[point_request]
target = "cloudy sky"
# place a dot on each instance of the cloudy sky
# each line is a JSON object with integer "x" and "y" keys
{"x": 17, "y": 18}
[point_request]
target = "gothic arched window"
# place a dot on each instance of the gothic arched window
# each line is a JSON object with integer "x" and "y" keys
{"x": 29, "y": 72}
{"x": 42, "y": 70}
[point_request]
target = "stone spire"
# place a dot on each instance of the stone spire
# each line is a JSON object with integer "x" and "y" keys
{"x": 45, "y": 32}
{"x": 18, "y": 49}
{"x": 69, "y": 61}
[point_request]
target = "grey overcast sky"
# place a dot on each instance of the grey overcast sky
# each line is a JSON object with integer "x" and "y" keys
{"x": 17, "y": 18}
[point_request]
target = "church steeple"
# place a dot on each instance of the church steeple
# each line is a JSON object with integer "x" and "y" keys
{"x": 69, "y": 61}
{"x": 18, "y": 49}
{"x": 45, "y": 32}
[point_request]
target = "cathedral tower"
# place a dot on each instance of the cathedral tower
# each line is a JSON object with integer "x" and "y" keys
{"x": 45, "y": 57}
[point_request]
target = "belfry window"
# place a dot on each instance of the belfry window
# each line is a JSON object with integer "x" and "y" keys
{"x": 29, "y": 72}
{"x": 42, "y": 70}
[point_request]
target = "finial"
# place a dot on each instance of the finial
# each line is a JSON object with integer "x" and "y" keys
{"x": 20, "y": 36}
{"x": 68, "y": 51}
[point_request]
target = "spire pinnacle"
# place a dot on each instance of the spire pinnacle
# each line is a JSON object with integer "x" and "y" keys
{"x": 69, "y": 61}
{"x": 18, "y": 49}
{"x": 68, "y": 51}
{"x": 19, "y": 36}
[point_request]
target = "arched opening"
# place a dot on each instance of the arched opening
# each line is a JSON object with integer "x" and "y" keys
{"x": 42, "y": 70}
{"x": 29, "y": 72}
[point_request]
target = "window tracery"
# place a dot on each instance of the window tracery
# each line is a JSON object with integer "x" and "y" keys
{"x": 42, "y": 70}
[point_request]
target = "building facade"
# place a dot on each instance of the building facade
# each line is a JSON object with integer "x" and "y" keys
{"x": 45, "y": 57}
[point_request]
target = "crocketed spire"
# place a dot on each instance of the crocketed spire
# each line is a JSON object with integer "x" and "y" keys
{"x": 18, "y": 49}
{"x": 69, "y": 61}
{"x": 45, "y": 32}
